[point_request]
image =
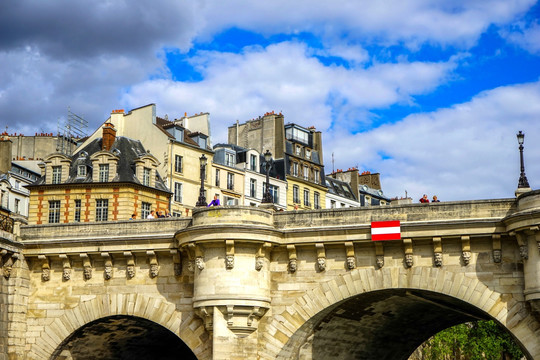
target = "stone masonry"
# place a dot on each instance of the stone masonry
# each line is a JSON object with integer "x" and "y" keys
{"x": 250, "y": 283}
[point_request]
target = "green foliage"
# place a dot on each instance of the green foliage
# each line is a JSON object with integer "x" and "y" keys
{"x": 472, "y": 341}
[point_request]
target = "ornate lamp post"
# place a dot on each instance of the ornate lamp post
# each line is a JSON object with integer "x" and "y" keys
{"x": 523, "y": 182}
{"x": 268, "y": 162}
{"x": 202, "y": 198}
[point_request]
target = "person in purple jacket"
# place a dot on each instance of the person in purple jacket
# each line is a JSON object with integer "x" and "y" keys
{"x": 214, "y": 202}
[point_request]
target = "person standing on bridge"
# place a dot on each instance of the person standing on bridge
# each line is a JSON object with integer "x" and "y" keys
{"x": 424, "y": 199}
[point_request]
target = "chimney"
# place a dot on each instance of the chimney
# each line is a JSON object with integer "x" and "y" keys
{"x": 109, "y": 135}
{"x": 5, "y": 154}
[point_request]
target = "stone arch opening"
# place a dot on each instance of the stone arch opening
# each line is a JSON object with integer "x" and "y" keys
{"x": 122, "y": 337}
{"x": 381, "y": 324}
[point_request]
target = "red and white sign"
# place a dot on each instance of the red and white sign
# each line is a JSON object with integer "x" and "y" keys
{"x": 385, "y": 230}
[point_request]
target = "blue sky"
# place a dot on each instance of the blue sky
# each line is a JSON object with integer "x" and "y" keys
{"x": 428, "y": 94}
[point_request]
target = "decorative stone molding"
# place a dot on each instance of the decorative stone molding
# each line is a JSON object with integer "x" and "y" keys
{"x": 7, "y": 266}
{"x": 87, "y": 266}
{"x": 437, "y": 252}
{"x": 497, "y": 250}
{"x": 466, "y": 249}
{"x": 261, "y": 255}
{"x": 321, "y": 257}
{"x": 130, "y": 264}
{"x": 154, "y": 266}
{"x": 379, "y": 254}
{"x": 349, "y": 252}
{"x": 177, "y": 262}
{"x": 45, "y": 268}
{"x": 199, "y": 263}
{"x": 242, "y": 320}
{"x": 66, "y": 267}
{"x": 408, "y": 249}
{"x": 229, "y": 254}
{"x": 291, "y": 249}
{"x": 108, "y": 270}
{"x": 522, "y": 243}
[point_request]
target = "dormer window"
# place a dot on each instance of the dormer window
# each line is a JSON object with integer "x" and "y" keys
{"x": 81, "y": 171}
{"x": 56, "y": 174}
{"x": 298, "y": 150}
{"x": 230, "y": 159}
{"x": 308, "y": 154}
{"x": 253, "y": 162}
{"x": 146, "y": 176}
{"x": 103, "y": 172}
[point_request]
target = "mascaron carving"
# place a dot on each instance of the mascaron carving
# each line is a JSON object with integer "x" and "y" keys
{"x": 321, "y": 263}
{"x": 409, "y": 260}
{"x": 292, "y": 265}
{"x": 199, "y": 262}
{"x": 351, "y": 262}
{"x": 497, "y": 256}
{"x": 229, "y": 262}
{"x": 523, "y": 252}
{"x": 259, "y": 262}
{"x": 466, "y": 256}
{"x": 380, "y": 261}
{"x": 241, "y": 320}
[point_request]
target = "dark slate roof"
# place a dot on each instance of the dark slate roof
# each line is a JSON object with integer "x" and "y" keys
{"x": 126, "y": 149}
{"x": 339, "y": 188}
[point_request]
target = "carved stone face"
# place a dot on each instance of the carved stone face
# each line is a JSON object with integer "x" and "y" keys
{"x": 87, "y": 272}
{"x": 380, "y": 261}
{"x": 66, "y": 273}
{"x": 321, "y": 263}
{"x": 438, "y": 259}
{"x": 292, "y": 265}
{"x": 199, "y": 262}
{"x": 523, "y": 252}
{"x": 497, "y": 256}
{"x": 46, "y": 274}
{"x": 7, "y": 271}
{"x": 259, "y": 262}
{"x": 466, "y": 257}
{"x": 351, "y": 262}
{"x": 408, "y": 260}
{"x": 191, "y": 266}
{"x": 229, "y": 261}
{"x": 130, "y": 270}
{"x": 154, "y": 270}
{"x": 108, "y": 272}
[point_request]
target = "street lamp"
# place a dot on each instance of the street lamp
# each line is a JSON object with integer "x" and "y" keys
{"x": 267, "y": 198}
{"x": 523, "y": 182}
{"x": 202, "y": 198}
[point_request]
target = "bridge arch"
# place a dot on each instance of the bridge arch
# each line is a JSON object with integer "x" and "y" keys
{"x": 293, "y": 328}
{"x": 186, "y": 326}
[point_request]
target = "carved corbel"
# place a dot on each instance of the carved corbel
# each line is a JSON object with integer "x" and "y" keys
{"x": 437, "y": 252}
{"x": 45, "y": 268}
{"x": 379, "y": 254}
{"x": 190, "y": 251}
{"x": 8, "y": 262}
{"x": 154, "y": 266}
{"x": 130, "y": 264}
{"x": 466, "y": 249}
{"x": 87, "y": 266}
{"x": 408, "y": 250}
{"x": 291, "y": 249}
{"x": 108, "y": 270}
{"x": 497, "y": 250}
{"x": 261, "y": 255}
{"x": 229, "y": 254}
{"x": 177, "y": 262}
{"x": 206, "y": 313}
{"x": 321, "y": 257}
{"x": 349, "y": 252}
{"x": 66, "y": 267}
{"x": 522, "y": 243}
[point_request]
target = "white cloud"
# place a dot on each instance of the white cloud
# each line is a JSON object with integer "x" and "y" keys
{"x": 525, "y": 35}
{"x": 468, "y": 151}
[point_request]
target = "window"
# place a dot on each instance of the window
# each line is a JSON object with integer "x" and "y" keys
{"x": 102, "y": 209}
{"x": 296, "y": 194}
{"x": 17, "y": 184}
{"x": 103, "y": 172}
{"x": 294, "y": 133}
{"x": 81, "y": 171}
{"x": 176, "y": 214}
{"x": 298, "y": 150}
{"x": 178, "y": 192}
{"x": 230, "y": 181}
{"x": 178, "y": 163}
{"x": 77, "y": 211}
{"x": 229, "y": 159}
{"x": 146, "y": 177}
{"x": 54, "y": 211}
{"x": 145, "y": 210}
{"x": 317, "y": 176}
{"x": 252, "y": 188}
{"x": 253, "y": 162}
{"x": 316, "y": 200}
{"x": 308, "y": 154}
{"x": 56, "y": 174}
{"x": 17, "y": 204}
{"x": 306, "y": 172}
{"x": 217, "y": 177}
{"x": 230, "y": 200}
{"x": 295, "y": 169}
{"x": 306, "y": 197}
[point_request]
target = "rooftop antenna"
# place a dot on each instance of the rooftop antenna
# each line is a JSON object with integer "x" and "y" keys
{"x": 332, "y": 161}
{"x": 74, "y": 127}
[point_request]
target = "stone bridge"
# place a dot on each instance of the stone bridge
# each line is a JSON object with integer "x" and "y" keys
{"x": 250, "y": 283}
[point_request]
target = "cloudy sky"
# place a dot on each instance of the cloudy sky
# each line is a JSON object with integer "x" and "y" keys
{"x": 429, "y": 94}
